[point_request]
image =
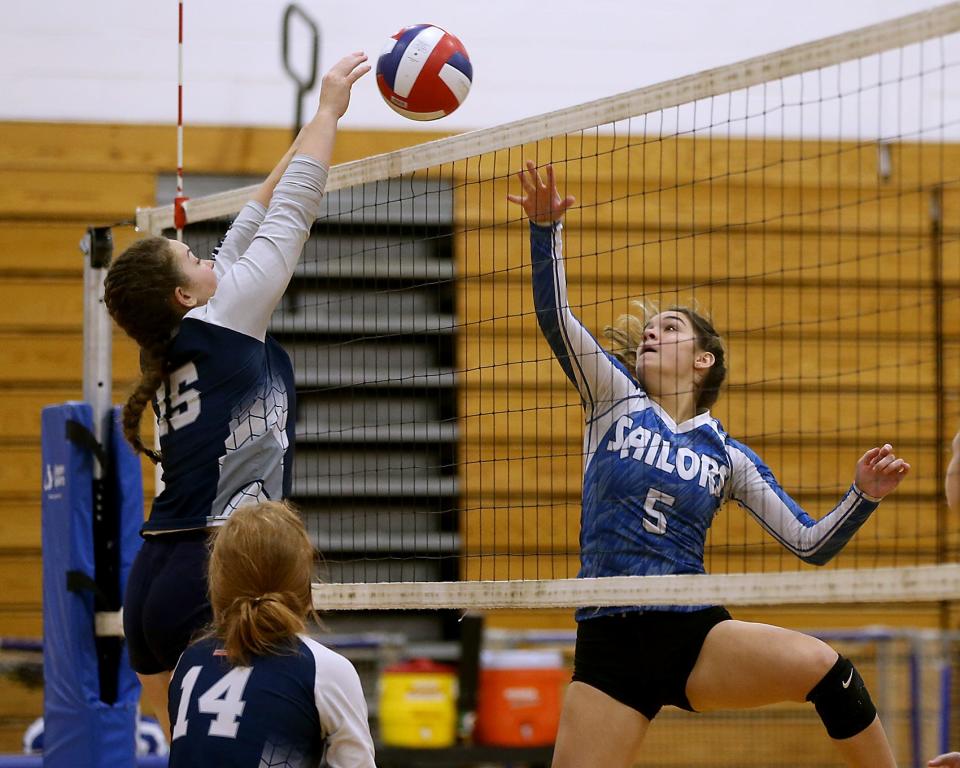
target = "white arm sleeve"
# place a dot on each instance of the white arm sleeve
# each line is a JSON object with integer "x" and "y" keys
{"x": 754, "y": 487}
{"x": 251, "y": 288}
{"x": 238, "y": 237}
{"x": 342, "y": 709}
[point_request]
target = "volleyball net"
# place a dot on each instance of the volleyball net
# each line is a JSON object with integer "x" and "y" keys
{"x": 808, "y": 200}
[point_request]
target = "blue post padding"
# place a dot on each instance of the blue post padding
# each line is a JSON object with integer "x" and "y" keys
{"x": 80, "y": 730}
{"x": 36, "y": 761}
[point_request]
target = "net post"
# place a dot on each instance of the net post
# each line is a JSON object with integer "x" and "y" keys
{"x": 90, "y": 693}
{"x": 471, "y": 642}
{"x": 946, "y": 709}
{"x": 97, "y": 247}
{"x": 915, "y": 677}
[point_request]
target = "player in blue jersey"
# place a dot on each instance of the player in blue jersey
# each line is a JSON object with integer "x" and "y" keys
{"x": 223, "y": 389}
{"x": 256, "y": 691}
{"x": 657, "y": 467}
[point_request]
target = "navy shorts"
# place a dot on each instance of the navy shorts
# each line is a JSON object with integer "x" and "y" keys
{"x": 643, "y": 658}
{"x": 167, "y": 602}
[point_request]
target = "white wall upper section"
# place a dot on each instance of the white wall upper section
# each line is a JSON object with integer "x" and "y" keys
{"x": 116, "y": 60}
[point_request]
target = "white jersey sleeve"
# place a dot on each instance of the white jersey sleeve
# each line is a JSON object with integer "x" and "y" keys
{"x": 599, "y": 378}
{"x": 252, "y": 286}
{"x": 754, "y": 487}
{"x": 342, "y": 709}
{"x": 238, "y": 237}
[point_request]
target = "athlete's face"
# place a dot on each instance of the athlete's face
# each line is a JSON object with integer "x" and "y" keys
{"x": 199, "y": 279}
{"x": 667, "y": 357}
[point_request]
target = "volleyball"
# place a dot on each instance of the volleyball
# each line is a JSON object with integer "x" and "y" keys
{"x": 424, "y": 72}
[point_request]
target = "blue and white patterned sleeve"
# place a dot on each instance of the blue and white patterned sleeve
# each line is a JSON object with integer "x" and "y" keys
{"x": 238, "y": 237}
{"x": 252, "y": 286}
{"x": 598, "y": 377}
{"x": 754, "y": 487}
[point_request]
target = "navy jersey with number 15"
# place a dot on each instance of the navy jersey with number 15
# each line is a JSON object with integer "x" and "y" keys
{"x": 652, "y": 487}
{"x": 226, "y": 410}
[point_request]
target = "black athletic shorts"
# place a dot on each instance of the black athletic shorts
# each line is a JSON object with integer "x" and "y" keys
{"x": 166, "y": 601}
{"x": 643, "y": 658}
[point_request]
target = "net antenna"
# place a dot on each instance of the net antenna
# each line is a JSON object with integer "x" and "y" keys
{"x": 303, "y": 82}
{"x": 180, "y": 218}
{"x": 756, "y": 186}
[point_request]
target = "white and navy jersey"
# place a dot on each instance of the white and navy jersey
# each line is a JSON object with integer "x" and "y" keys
{"x": 294, "y": 709}
{"x": 651, "y": 487}
{"x": 226, "y": 412}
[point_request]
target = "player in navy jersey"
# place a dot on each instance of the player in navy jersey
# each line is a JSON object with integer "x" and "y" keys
{"x": 256, "y": 691}
{"x": 657, "y": 467}
{"x": 222, "y": 389}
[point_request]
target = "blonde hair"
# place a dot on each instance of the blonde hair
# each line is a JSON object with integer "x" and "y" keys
{"x": 260, "y": 574}
{"x": 626, "y": 335}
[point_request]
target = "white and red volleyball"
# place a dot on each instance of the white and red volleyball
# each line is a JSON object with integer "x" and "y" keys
{"x": 424, "y": 72}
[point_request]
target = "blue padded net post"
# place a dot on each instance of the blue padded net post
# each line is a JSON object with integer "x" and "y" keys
{"x": 81, "y": 729}
{"x": 92, "y": 510}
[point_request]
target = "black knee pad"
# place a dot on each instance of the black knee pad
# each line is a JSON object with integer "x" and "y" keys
{"x": 842, "y": 701}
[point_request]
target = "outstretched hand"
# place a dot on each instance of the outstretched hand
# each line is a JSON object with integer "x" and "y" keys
{"x": 879, "y": 471}
{"x": 541, "y": 201}
{"x": 336, "y": 85}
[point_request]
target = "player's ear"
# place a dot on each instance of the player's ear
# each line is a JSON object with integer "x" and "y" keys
{"x": 704, "y": 360}
{"x": 184, "y": 298}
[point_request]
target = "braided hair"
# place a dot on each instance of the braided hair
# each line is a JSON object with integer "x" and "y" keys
{"x": 139, "y": 294}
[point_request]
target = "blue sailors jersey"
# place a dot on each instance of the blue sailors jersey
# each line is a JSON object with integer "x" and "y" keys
{"x": 652, "y": 487}
{"x": 226, "y": 411}
{"x": 296, "y": 709}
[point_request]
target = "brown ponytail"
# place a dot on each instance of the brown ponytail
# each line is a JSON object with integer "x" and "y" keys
{"x": 626, "y": 335}
{"x": 260, "y": 574}
{"x": 139, "y": 294}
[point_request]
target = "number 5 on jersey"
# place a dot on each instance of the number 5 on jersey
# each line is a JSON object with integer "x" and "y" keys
{"x": 224, "y": 699}
{"x": 654, "y": 519}
{"x": 180, "y": 403}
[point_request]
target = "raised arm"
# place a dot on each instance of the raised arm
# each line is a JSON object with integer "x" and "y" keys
{"x": 251, "y": 287}
{"x": 754, "y": 487}
{"x": 245, "y": 226}
{"x": 238, "y": 237}
{"x": 597, "y": 376}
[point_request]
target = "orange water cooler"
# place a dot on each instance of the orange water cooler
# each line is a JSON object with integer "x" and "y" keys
{"x": 519, "y": 697}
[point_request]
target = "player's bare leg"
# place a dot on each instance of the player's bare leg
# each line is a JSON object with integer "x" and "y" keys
{"x": 744, "y": 665}
{"x": 596, "y": 729}
{"x": 155, "y": 693}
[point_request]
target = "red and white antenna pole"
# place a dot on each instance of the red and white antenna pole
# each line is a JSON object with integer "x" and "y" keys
{"x": 179, "y": 214}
